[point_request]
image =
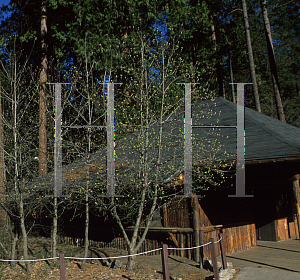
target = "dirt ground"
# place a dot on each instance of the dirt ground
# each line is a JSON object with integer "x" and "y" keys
{"x": 148, "y": 267}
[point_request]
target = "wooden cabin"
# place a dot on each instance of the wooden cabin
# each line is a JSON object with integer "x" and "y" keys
{"x": 272, "y": 162}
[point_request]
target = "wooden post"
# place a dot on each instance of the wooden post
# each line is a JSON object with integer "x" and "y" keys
{"x": 196, "y": 227}
{"x": 201, "y": 237}
{"x": 165, "y": 210}
{"x": 165, "y": 263}
{"x": 178, "y": 238}
{"x": 214, "y": 258}
{"x": 215, "y": 237}
{"x": 188, "y": 236}
{"x": 223, "y": 251}
{"x": 181, "y": 245}
{"x": 62, "y": 266}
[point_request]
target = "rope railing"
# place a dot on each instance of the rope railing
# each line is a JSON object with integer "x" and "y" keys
{"x": 114, "y": 257}
{"x": 37, "y": 260}
{"x": 164, "y": 255}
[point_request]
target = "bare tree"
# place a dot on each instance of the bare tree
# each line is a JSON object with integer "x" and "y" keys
{"x": 147, "y": 106}
{"x": 20, "y": 85}
{"x": 144, "y": 164}
{"x": 89, "y": 121}
{"x": 2, "y": 168}
{"x": 4, "y": 219}
{"x": 84, "y": 89}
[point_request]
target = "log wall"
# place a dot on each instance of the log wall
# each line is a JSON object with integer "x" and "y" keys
{"x": 282, "y": 229}
{"x": 293, "y": 229}
{"x": 236, "y": 237}
{"x": 286, "y": 228}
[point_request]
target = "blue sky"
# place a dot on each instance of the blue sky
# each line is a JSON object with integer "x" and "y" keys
{"x": 5, "y": 2}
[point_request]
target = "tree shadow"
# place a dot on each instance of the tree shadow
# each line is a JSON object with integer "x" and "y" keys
{"x": 103, "y": 262}
{"x": 44, "y": 247}
{"x": 78, "y": 265}
{"x": 189, "y": 264}
{"x": 279, "y": 248}
{"x": 23, "y": 266}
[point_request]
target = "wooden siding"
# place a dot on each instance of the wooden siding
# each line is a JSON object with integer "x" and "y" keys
{"x": 179, "y": 214}
{"x": 293, "y": 229}
{"x": 282, "y": 229}
{"x": 236, "y": 237}
{"x": 286, "y": 228}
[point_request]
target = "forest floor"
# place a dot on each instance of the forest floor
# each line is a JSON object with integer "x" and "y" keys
{"x": 148, "y": 267}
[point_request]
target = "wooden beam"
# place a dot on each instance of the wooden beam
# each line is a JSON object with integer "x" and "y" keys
{"x": 210, "y": 228}
{"x": 163, "y": 229}
{"x": 177, "y": 229}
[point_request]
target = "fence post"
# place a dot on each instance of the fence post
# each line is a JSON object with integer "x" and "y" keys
{"x": 214, "y": 258}
{"x": 223, "y": 251}
{"x": 188, "y": 237}
{"x": 62, "y": 266}
{"x": 201, "y": 248}
{"x": 181, "y": 245}
{"x": 196, "y": 224}
{"x": 165, "y": 263}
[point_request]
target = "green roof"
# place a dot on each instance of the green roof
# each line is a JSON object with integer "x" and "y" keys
{"x": 266, "y": 138}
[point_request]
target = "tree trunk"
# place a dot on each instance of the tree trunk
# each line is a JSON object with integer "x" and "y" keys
{"x": 86, "y": 232}
{"x": 24, "y": 234}
{"x": 3, "y": 214}
{"x": 13, "y": 247}
{"x": 218, "y": 66}
{"x": 54, "y": 230}
{"x": 131, "y": 264}
{"x": 271, "y": 54}
{"x": 87, "y": 217}
{"x": 4, "y": 249}
{"x": 231, "y": 79}
{"x": 251, "y": 59}
{"x": 42, "y": 93}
